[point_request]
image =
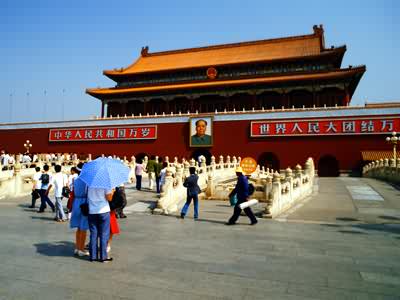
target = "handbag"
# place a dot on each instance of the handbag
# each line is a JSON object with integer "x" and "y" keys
{"x": 65, "y": 191}
{"x": 70, "y": 200}
{"x": 233, "y": 199}
{"x": 35, "y": 194}
{"x": 85, "y": 209}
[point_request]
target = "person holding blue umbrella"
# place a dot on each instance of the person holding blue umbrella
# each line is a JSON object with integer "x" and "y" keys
{"x": 101, "y": 176}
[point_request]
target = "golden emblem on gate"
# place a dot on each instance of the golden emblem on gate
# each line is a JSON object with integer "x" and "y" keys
{"x": 249, "y": 165}
{"x": 212, "y": 73}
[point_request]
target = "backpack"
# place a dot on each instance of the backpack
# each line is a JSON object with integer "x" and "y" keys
{"x": 118, "y": 199}
{"x": 251, "y": 189}
{"x": 45, "y": 178}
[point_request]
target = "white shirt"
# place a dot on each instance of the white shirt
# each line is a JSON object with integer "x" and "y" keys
{"x": 38, "y": 183}
{"x": 71, "y": 181}
{"x": 98, "y": 204}
{"x": 5, "y": 159}
{"x": 26, "y": 159}
{"x": 58, "y": 181}
{"x": 139, "y": 169}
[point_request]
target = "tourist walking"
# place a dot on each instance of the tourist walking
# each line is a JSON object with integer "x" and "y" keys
{"x": 45, "y": 179}
{"x": 150, "y": 171}
{"x": 37, "y": 184}
{"x": 193, "y": 191}
{"x": 242, "y": 192}
{"x": 157, "y": 171}
{"x": 59, "y": 180}
{"x": 101, "y": 175}
{"x": 138, "y": 174}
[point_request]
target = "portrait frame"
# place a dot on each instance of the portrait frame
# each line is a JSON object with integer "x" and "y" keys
{"x": 205, "y": 141}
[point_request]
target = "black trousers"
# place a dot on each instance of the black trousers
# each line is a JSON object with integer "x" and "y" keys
{"x": 34, "y": 199}
{"x": 236, "y": 213}
{"x": 138, "y": 182}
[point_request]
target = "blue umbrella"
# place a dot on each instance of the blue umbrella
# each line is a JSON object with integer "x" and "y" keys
{"x": 105, "y": 173}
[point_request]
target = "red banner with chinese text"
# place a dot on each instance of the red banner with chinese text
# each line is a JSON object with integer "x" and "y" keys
{"x": 103, "y": 134}
{"x": 331, "y": 126}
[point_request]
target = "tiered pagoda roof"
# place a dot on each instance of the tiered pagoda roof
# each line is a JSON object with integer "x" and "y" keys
{"x": 138, "y": 78}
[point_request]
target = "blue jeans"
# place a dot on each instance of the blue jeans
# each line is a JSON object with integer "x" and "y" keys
{"x": 99, "y": 226}
{"x": 59, "y": 209}
{"x": 195, "y": 198}
{"x": 45, "y": 199}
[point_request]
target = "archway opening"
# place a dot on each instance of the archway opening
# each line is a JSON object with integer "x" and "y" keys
{"x": 207, "y": 154}
{"x": 140, "y": 156}
{"x": 328, "y": 166}
{"x": 269, "y": 160}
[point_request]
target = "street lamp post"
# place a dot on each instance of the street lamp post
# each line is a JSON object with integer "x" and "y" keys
{"x": 27, "y": 145}
{"x": 393, "y": 140}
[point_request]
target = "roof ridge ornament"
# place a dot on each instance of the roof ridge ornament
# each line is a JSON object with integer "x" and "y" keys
{"x": 145, "y": 51}
{"x": 318, "y": 30}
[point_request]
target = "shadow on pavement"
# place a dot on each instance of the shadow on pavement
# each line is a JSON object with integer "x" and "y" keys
{"x": 42, "y": 218}
{"x": 390, "y": 228}
{"x": 211, "y": 221}
{"x": 62, "y": 248}
{"x": 331, "y": 225}
{"x": 352, "y": 232}
{"x": 389, "y": 218}
{"x": 347, "y": 219}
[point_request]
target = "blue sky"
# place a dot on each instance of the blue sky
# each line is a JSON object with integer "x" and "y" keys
{"x": 51, "y": 51}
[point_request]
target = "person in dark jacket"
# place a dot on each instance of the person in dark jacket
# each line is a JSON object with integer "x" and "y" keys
{"x": 193, "y": 191}
{"x": 242, "y": 192}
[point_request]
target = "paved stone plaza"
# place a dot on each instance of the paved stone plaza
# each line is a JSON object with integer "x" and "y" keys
{"x": 340, "y": 243}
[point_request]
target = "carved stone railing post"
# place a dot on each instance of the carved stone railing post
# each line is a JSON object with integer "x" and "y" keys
{"x": 210, "y": 185}
{"x": 276, "y": 187}
{"x": 203, "y": 165}
{"x": 186, "y": 166}
{"x": 298, "y": 172}
{"x": 234, "y": 161}
{"x": 221, "y": 161}
{"x": 17, "y": 176}
{"x": 178, "y": 174}
{"x": 213, "y": 164}
{"x": 228, "y": 162}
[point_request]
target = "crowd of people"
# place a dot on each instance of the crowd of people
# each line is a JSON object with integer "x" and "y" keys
{"x": 100, "y": 220}
{"x": 101, "y": 217}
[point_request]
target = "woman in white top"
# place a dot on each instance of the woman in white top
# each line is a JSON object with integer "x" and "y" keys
{"x": 99, "y": 222}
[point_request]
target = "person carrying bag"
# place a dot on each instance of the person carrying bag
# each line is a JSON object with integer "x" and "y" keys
{"x": 242, "y": 191}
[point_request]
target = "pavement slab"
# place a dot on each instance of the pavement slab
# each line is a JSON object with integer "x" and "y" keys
{"x": 320, "y": 251}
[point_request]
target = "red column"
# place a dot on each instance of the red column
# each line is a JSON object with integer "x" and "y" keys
{"x": 346, "y": 98}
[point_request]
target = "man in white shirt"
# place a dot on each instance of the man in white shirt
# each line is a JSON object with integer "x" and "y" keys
{"x": 5, "y": 160}
{"x": 37, "y": 184}
{"x": 99, "y": 222}
{"x": 59, "y": 180}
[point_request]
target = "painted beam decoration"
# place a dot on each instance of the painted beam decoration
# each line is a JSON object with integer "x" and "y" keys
{"x": 326, "y": 126}
{"x": 147, "y": 132}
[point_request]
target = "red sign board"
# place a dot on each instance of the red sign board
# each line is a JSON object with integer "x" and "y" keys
{"x": 323, "y": 127}
{"x": 147, "y": 132}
